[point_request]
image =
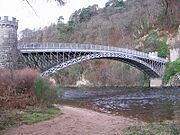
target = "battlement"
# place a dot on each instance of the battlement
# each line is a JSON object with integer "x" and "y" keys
{"x": 153, "y": 54}
{"x": 6, "y": 22}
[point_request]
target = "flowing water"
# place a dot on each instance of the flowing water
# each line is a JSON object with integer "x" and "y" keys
{"x": 146, "y": 104}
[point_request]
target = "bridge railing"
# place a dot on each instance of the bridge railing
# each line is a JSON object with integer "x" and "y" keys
{"x": 76, "y": 46}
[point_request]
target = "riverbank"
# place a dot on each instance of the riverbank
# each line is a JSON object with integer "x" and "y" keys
{"x": 29, "y": 115}
{"x": 76, "y": 121}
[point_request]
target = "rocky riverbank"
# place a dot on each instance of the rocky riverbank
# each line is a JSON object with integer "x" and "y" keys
{"x": 175, "y": 80}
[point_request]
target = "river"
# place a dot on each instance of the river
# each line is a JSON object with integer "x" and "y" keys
{"x": 145, "y": 104}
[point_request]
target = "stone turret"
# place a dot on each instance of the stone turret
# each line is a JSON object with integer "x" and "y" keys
{"x": 8, "y": 41}
{"x": 174, "y": 54}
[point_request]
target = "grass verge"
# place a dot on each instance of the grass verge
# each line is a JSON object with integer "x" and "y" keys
{"x": 29, "y": 116}
{"x": 153, "y": 129}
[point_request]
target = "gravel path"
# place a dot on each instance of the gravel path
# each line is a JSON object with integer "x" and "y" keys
{"x": 75, "y": 121}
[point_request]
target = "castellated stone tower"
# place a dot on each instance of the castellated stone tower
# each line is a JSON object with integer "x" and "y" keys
{"x": 8, "y": 42}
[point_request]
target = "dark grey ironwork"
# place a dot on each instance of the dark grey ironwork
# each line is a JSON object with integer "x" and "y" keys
{"x": 51, "y": 57}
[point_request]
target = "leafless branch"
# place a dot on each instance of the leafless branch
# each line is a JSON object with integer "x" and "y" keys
{"x": 60, "y": 2}
{"x": 31, "y": 7}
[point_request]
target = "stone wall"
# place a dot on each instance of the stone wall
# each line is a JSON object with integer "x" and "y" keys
{"x": 8, "y": 41}
{"x": 155, "y": 82}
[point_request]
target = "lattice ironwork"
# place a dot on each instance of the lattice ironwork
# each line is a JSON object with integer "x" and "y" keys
{"x": 51, "y": 57}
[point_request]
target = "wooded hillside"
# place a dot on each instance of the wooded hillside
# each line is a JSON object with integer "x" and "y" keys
{"x": 143, "y": 25}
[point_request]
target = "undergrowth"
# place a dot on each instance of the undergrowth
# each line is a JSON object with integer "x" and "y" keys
{"x": 171, "y": 69}
{"x": 29, "y": 116}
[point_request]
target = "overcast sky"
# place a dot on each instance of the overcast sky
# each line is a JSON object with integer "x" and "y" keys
{"x": 48, "y": 12}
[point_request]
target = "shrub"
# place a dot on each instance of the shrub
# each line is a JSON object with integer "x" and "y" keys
{"x": 45, "y": 92}
{"x": 162, "y": 48}
{"x": 16, "y": 82}
{"x": 155, "y": 43}
{"x": 171, "y": 69}
{"x": 16, "y": 87}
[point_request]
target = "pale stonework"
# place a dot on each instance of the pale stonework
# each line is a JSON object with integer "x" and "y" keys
{"x": 8, "y": 41}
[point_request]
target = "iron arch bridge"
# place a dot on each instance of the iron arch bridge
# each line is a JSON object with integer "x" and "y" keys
{"x": 51, "y": 57}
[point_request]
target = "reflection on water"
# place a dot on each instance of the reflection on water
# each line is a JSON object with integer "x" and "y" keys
{"x": 147, "y": 104}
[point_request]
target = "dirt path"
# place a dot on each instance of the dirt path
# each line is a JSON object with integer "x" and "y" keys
{"x": 75, "y": 121}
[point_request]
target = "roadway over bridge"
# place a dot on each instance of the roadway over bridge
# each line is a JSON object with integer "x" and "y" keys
{"x": 51, "y": 57}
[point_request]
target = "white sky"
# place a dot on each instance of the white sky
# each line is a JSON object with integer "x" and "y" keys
{"x": 48, "y": 12}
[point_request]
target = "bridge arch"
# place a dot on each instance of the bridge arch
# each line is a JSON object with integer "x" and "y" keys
{"x": 135, "y": 62}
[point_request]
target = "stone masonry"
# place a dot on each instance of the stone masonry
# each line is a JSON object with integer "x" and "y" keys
{"x": 8, "y": 42}
{"x": 174, "y": 54}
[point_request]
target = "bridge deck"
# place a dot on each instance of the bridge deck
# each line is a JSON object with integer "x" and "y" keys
{"x": 73, "y": 47}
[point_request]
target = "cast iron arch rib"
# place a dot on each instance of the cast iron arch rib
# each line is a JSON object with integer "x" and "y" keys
{"x": 150, "y": 71}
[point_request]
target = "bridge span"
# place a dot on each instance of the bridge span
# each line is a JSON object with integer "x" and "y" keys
{"x": 51, "y": 57}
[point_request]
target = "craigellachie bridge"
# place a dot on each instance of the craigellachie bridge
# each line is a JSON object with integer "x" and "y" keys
{"x": 51, "y": 57}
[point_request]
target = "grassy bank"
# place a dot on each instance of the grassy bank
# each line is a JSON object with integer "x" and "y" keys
{"x": 153, "y": 129}
{"x": 29, "y": 115}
